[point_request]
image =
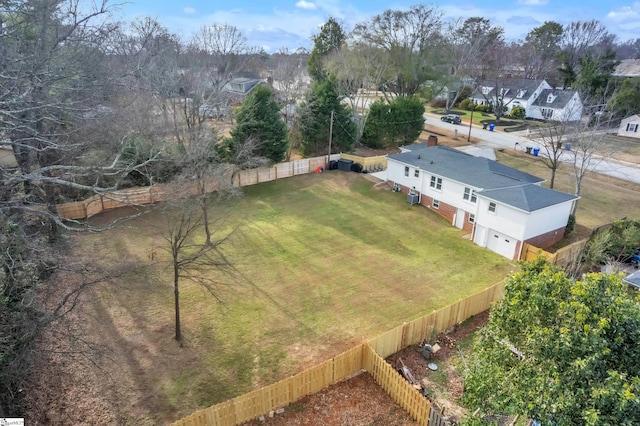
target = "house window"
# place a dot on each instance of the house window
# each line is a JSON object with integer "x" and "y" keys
{"x": 631, "y": 127}
{"x": 416, "y": 173}
{"x": 492, "y": 207}
{"x": 436, "y": 183}
{"x": 406, "y": 171}
{"x": 547, "y": 113}
{"x": 470, "y": 195}
{"x": 472, "y": 218}
{"x": 436, "y": 204}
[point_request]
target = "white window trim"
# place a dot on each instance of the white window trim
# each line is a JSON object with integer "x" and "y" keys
{"x": 406, "y": 171}
{"x": 495, "y": 207}
{"x": 416, "y": 173}
{"x": 434, "y": 184}
{"x": 471, "y": 196}
{"x": 436, "y": 204}
{"x": 471, "y": 218}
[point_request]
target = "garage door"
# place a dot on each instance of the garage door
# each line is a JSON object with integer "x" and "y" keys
{"x": 501, "y": 244}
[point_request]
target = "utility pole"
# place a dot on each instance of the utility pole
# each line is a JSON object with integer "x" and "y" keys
{"x": 330, "y": 137}
{"x": 471, "y": 122}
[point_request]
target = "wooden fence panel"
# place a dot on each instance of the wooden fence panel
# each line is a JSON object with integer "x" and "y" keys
{"x": 75, "y": 210}
{"x": 401, "y": 391}
{"x": 93, "y": 205}
{"x": 301, "y": 167}
{"x": 379, "y": 160}
{"x": 247, "y": 177}
{"x": 312, "y": 380}
{"x": 284, "y": 170}
{"x": 266, "y": 175}
{"x": 347, "y": 363}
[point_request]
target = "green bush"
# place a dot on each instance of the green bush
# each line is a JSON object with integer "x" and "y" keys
{"x": 518, "y": 112}
{"x": 571, "y": 224}
{"x": 466, "y": 104}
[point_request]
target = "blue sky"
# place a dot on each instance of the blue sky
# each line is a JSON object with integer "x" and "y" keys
{"x": 274, "y": 24}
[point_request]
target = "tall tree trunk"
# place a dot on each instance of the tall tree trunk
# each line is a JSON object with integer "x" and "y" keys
{"x": 176, "y": 294}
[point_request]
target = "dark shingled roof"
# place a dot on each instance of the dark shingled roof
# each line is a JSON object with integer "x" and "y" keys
{"x": 562, "y": 98}
{"x": 456, "y": 165}
{"x": 494, "y": 180}
{"x": 633, "y": 279}
{"x": 527, "y": 197}
{"x": 513, "y": 84}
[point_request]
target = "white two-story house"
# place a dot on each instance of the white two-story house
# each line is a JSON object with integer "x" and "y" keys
{"x": 501, "y": 207}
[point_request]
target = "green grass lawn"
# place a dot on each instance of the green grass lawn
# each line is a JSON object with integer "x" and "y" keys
{"x": 325, "y": 261}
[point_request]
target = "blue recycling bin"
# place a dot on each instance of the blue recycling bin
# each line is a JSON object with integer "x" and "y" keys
{"x": 536, "y": 151}
{"x": 567, "y": 146}
{"x": 491, "y": 127}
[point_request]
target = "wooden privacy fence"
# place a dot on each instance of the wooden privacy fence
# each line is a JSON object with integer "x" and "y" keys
{"x": 152, "y": 194}
{"x": 369, "y": 356}
{"x": 562, "y": 257}
{"x": 367, "y": 162}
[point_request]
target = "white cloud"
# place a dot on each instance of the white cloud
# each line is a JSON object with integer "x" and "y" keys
{"x": 533, "y": 2}
{"x": 303, "y": 4}
{"x": 189, "y": 10}
{"x": 626, "y": 13}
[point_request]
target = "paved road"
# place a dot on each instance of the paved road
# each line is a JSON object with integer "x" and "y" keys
{"x": 518, "y": 140}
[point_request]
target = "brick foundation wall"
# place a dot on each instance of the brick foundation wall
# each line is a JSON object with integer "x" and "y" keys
{"x": 548, "y": 239}
{"x": 445, "y": 210}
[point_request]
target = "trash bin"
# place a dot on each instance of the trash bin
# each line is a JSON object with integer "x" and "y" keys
{"x": 568, "y": 146}
{"x": 484, "y": 126}
{"x": 528, "y": 149}
{"x": 536, "y": 150}
{"x": 344, "y": 165}
{"x": 491, "y": 127}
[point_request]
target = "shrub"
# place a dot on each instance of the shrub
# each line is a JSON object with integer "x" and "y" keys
{"x": 518, "y": 112}
{"x": 571, "y": 224}
{"x": 466, "y": 104}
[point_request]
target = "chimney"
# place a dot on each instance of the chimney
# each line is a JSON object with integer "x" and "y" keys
{"x": 432, "y": 141}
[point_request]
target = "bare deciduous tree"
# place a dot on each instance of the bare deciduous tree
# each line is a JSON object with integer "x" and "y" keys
{"x": 200, "y": 261}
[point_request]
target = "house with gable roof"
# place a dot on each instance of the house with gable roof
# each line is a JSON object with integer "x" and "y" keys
{"x": 556, "y": 105}
{"x": 513, "y": 92}
{"x": 501, "y": 207}
{"x": 630, "y": 126}
{"x": 537, "y": 97}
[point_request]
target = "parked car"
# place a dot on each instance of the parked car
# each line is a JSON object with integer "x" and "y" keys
{"x": 451, "y": 118}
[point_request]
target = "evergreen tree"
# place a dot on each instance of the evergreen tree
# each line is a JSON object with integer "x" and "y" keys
{"x": 393, "y": 124}
{"x": 330, "y": 39}
{"x": 259, "y": 119}
{"x": 314, "y": 121}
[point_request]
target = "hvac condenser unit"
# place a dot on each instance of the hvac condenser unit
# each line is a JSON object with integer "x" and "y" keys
{"x": 413, "y": 198}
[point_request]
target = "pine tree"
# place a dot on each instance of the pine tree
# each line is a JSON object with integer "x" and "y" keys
{"x": 259, "y": 118}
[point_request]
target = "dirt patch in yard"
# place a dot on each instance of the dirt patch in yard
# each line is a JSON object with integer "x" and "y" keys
{"x": 444, "y": 385}
{"x": 357, "y": 401}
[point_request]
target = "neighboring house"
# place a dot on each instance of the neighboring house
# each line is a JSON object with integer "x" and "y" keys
{"x": 513, "y": 92}
{"x": 501, "y": 207}
{"x": 537, "y": 97}
{"x": 630, "y": 127}
{"x": 557, "y": 105}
